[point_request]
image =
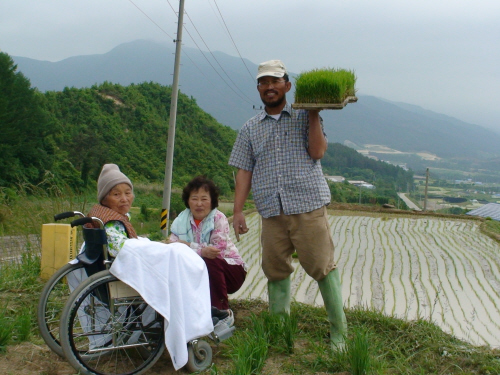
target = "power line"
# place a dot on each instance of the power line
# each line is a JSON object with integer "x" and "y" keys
{"x": 192, "y": 61}
{"x": 185, "y": 53}
{"x": 149, "y": 18}
{"x": 239, "y": 54}
{"x": 235, "y": 85}
{"x": 249, "y": 99}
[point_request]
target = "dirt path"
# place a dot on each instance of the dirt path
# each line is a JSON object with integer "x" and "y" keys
{"x": 31, "y": 359}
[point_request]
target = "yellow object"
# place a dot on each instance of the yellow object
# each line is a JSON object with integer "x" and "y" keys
{"x": 58, "y": 248}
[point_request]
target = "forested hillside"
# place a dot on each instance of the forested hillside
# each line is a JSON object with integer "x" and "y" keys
{"x": 129, "y": 125}
{"x": 371, "y": 120}
{"x": 26, "y": 147}
{"x": 64, "y": 137}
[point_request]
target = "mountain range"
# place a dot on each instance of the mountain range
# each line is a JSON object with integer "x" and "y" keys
{"x": 225, "y": 87}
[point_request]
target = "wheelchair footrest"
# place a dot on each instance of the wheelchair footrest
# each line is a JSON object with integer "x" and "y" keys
{"x": 222, "y": 332}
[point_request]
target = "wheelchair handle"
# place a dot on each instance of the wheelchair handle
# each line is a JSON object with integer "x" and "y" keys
{"x": 87, "y": 220}
{"x": 65, "y": 215}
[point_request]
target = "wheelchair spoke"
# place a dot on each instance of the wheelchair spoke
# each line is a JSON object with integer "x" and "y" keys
{"x": 51, "y": 303}
{"x": 110, "y": 335}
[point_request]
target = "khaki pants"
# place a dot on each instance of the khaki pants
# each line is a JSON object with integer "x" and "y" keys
{"x": 308, "y": 234}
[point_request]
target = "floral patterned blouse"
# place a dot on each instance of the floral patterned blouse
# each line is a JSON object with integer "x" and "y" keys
{"x": 219, "y": 239}
{"x": 117, "y": 235}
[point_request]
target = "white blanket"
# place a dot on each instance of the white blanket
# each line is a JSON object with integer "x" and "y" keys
{"x": 173, "y": 280}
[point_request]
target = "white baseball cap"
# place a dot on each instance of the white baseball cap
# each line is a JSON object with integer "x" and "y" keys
{"x": 272, "y": 68}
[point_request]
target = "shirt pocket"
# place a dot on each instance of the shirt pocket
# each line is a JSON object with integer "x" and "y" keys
{"x": 261, "y": 143}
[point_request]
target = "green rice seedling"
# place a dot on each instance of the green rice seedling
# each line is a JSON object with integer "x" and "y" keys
{"x": 324, "y": 86}
{"x": 23, "y": 325}
{"x": 5, "y": 330}
{"x": 23, "y": 275}
{"x": 290, "y": 329}
{"x": 5, "y": 335}
{"x": 358, "y": 352}
{"x": 281, "y": 330}
{"x": 214, "y": 370}
{"x": 249, "y": 348}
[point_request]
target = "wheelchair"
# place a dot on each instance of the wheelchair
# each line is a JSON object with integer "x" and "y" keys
{"x": 103, "y": 326}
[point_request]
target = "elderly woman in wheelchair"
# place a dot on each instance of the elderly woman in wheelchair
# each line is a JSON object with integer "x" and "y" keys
{"x": 149, "y": 295}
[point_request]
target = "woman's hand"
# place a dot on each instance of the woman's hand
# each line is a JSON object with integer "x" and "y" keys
{"x": 210, "y": 252}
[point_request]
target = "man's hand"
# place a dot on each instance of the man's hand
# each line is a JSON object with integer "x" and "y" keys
{"x": 239, "y": 225}
{"x": 210, "y": 252}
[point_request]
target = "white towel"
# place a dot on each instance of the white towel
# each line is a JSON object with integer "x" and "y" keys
{"x": 173, "y": 280}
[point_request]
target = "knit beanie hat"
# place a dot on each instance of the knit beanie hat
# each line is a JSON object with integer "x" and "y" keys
{"x": 110, "y": 177}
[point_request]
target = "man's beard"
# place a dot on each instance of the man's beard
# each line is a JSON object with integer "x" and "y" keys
{"x": 275, "y": 103}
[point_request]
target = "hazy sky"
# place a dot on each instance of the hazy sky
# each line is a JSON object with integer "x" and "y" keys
{"x": 443, "y": 55}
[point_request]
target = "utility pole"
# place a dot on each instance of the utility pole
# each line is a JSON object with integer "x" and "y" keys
{"x": 167, "y": 187}
{"x": 425, "y": 191}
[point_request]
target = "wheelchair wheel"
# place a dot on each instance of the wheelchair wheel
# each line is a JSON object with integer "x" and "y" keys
{"x": 199, "y": 358}
{"x": 103, "y": 334}
{"x": 51, "y": 303}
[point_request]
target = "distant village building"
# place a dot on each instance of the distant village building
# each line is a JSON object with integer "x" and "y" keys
{"x": 335, "y": 178}
{"x": 361, "y": 183}
{"x": 488, "y": 210}
{"x": 468, "y": 181}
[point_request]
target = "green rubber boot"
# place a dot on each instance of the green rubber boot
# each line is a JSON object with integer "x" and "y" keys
{"x": 279, "y": 296}
{"x": 331, "y": 291}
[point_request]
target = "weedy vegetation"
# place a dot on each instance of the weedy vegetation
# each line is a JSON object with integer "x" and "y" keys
{"x": 328, "y": 86}
{"x": 263, "y": 343}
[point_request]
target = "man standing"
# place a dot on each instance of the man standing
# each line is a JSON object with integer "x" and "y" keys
{"x": 277, "y": 153}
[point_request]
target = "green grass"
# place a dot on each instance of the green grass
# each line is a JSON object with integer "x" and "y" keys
{"x": 358, "y": 352}
{"x": 19, "y": 290}
{"x": 491, "y": 228}
{"x": 376, "y": 343}
{"x": 248, "y": 350}
{"x": 281, "y": 330}
{"x": 324, "y": 86}
{"x": 5, "y": 329}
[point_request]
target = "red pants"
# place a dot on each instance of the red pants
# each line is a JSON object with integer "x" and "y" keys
{"x": 224, "y": 279}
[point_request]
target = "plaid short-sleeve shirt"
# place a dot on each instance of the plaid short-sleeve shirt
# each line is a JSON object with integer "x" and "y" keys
{"x": 275, "y": 151}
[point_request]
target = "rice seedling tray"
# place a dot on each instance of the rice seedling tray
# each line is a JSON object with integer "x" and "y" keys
{"x": 325, "y": 88}
{"x": 320, "y": 106}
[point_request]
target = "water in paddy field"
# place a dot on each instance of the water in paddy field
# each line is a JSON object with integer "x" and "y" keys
{"x": 433, "y": 268}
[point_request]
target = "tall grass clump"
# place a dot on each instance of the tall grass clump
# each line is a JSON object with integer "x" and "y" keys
{"x": 325, "y": 86}
{"x": 23, "y": 324}
{"x": 21, "y": 275}
{"x": 25, "y": 209}
{"x": 249, "y": 348}
{"x": 281, "y": 330}
{"x": 5, "y": 330}
{"x": 358, "y": 352}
